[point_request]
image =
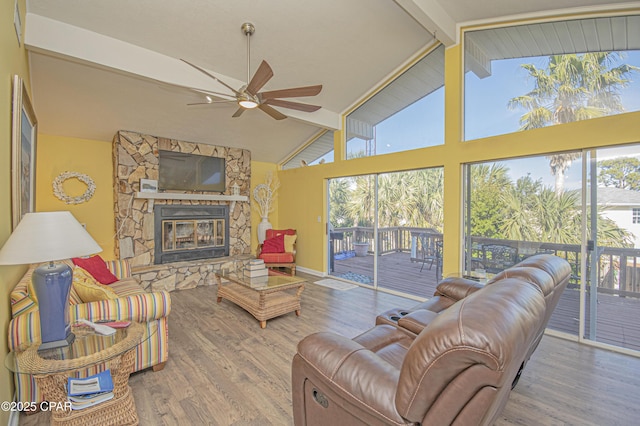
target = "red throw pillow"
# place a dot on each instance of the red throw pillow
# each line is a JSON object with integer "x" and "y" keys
{"x": 273, "y": 245}
{"x": 97, "y": 268}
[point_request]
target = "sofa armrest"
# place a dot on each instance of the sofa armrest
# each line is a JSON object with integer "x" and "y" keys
{"x": 142, "y": 307}
{"x": 457, "y": 288}
{"x": 359, "y": 374}
{"x": 417, "y": 320}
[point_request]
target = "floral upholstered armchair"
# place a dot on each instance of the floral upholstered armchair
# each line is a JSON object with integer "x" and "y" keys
{"x": 279, "y": 251}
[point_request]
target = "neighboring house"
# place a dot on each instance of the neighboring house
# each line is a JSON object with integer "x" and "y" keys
{"x": 623, "y": 207}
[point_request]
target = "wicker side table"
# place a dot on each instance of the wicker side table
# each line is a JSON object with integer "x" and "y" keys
{"x": 51, "y": 374}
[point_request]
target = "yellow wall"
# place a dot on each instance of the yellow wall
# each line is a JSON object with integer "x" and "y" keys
{"x": 258, "y": 173}
{"x": 58, "y": 154}
{"x": 303, "y": 190}
{"x": 13, "y": 61}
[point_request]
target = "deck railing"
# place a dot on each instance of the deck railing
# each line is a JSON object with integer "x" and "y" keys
{"x": 618, "y": 269}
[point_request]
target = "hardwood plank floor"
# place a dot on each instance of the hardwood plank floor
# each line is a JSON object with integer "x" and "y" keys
{"x": 224, "y": 370}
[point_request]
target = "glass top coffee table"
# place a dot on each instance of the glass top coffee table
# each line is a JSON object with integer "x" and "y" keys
{"x": 263, "y": 297}
{"x": 52, "y": 367}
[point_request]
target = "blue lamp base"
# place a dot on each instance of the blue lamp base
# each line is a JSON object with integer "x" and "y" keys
{"x": 52, "y": 284}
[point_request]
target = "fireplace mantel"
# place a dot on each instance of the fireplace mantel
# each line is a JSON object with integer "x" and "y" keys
{"x": 179, "y": 196}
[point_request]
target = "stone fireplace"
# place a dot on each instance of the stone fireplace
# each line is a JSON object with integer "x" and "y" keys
{"x": 135, "y": 157}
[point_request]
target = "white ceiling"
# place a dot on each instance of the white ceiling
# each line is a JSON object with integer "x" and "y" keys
{"x": 96, "y": 65}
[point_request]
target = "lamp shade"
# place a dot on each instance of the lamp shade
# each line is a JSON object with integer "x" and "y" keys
{"x": 46, "y": 237}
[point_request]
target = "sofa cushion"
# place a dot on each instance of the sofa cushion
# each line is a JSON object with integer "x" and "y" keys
{"x": 127, "y": 287}
{"x": 274, "y": 244}
{"x": 289, "y": 241}
{"x": 95, "y": 266}
{"x": 277, "y": 257}
{"x": 88, "y": 288}
{"x": 119, "y": 268}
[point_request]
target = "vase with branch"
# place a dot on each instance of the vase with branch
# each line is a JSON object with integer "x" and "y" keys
{"x": 265, "y": 195}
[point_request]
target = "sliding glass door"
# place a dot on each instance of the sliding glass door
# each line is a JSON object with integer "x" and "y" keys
{"x": 587, "y": 212}
{"x": 386, "y": 230}
{"x": 612, "y": 286}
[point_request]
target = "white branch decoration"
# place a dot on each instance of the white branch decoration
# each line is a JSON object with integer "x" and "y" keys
{"x": 58, "y": 190}
{"x": 265, "y": 194}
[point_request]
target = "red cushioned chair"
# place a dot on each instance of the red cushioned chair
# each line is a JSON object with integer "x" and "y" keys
{"x": 279, "y": 254}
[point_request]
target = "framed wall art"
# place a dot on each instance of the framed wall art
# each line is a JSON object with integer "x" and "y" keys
{"x": 23, "y": 152}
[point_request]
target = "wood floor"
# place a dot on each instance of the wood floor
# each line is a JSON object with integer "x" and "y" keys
{"x": 224, "y": 370}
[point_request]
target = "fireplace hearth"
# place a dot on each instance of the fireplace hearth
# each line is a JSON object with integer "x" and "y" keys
{"x": 190, "y": 232}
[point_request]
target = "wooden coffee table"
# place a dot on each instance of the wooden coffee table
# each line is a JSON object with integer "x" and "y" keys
{"x": 264, "y": 297}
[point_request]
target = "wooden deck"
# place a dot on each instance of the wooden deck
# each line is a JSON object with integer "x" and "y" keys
{"x": 617, "y": 322}
{"x": 396, "y": 272}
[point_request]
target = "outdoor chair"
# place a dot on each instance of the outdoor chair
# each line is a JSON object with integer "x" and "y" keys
{"x": 498, "y": 257}
{"x": 431, "y": 249}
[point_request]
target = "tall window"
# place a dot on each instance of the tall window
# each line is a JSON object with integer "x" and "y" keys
{"x": 319, "y": 151}
{"x": 538, "y": 75}
{"x": 515, "y": 209}
{"x": 407, "y": 114}
{"x": 386, "y": 230}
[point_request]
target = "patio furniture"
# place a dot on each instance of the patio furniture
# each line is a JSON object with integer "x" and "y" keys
{"x": 498, "y": 257}
{"x": 431, "y": 250}
{"x": 334, "y": 236}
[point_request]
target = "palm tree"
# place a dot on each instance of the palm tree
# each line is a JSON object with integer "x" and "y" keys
{"x": 534, "y": 212}
{"x": 338, "y": 199}
{"x": 572, "y": 88}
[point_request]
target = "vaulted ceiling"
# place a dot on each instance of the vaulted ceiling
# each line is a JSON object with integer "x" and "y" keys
{"x": 102, "y": 66}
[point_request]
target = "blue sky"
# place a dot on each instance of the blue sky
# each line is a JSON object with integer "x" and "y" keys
{"x": 486, "y": 114}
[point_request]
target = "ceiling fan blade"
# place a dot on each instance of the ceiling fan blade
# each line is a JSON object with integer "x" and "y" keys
{"x": 272, "y": 112}
{"x": 202, "y": 70}
{"x": 292, "y": 105}
{"x": 238, "y": 112}
{"x": 296, "y": 92}
{"x": 260, "y": 78}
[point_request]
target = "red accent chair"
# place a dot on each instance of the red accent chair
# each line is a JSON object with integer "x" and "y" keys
{"x": 276, "y": 259}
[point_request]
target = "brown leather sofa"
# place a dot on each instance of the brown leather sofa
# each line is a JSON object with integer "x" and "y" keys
{"x": 458, "y": 369}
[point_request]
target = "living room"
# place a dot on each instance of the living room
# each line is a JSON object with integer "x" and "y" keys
{"x": 302, "y": 195}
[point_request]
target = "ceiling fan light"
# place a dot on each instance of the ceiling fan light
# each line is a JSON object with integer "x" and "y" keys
{"x": 247, "y": 103}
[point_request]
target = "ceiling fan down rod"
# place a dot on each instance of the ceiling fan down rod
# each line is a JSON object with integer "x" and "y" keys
{"x": 248, "y": 29}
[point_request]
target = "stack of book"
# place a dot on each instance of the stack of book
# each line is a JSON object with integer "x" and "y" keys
{"x": 255, "y": 269}
{"x": 89, "y": 391}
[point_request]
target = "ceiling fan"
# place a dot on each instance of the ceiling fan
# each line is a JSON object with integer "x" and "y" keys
{"x": 249, "y": 96}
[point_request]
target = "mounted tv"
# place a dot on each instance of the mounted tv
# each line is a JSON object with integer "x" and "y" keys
{"x": 190, "y": 172}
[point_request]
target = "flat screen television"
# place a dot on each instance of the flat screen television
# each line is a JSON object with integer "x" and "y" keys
{"x": 190, "y": 172}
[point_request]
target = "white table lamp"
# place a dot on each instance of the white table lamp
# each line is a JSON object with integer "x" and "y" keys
{"x": 47, "y": 237}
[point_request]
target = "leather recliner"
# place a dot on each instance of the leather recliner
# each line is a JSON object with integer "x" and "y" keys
{"x": 458, "y": 369}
